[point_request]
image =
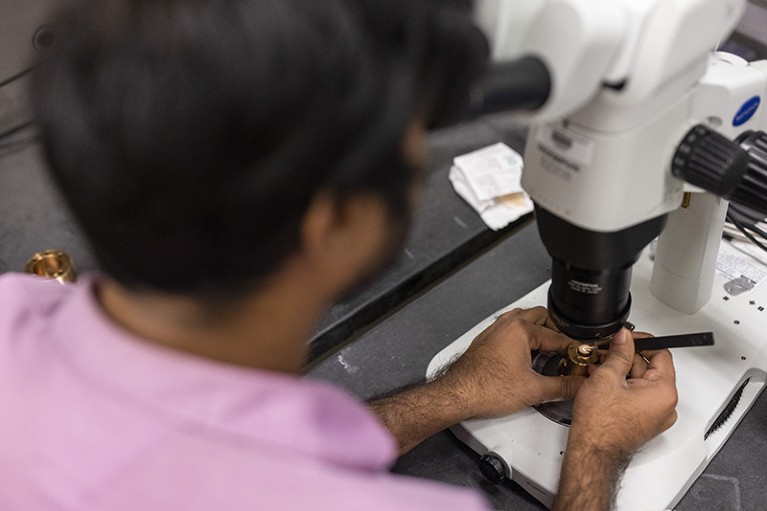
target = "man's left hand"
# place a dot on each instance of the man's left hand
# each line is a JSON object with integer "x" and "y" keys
{"x": 495, "y": 373}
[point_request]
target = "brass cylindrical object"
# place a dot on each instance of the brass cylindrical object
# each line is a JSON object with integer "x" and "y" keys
{"x": 579, "y": 357}
{"x": 686, "y": 200}
{"x": 52, "y": 264}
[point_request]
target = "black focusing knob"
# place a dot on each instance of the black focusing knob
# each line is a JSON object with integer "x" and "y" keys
{"x": 752, "y": 190}
{"x": 492, "y": 468}
{"x": 710, "y": 161}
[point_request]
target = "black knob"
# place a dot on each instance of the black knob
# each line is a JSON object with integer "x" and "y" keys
{"x": 492, "y": 468}
{"x": 709, "y": 160}
{"x": 752, "y": 190}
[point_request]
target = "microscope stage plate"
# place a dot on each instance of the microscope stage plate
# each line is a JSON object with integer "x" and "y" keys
{"x": 532, "y": 445}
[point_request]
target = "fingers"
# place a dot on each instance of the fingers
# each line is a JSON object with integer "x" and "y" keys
{"x": 536, "y": 315}
{"x": 546, "y": 340}
{"x": 620, "y": 358}
{"x": 660, "y": 366}
{"x": 639, "y": 367}
{"x": 671, "y": 420}
{"x": 558, "y": 388}
{"x": 532, "y": 324}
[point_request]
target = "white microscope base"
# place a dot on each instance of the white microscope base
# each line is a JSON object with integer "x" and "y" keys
{"x": 707, "y": 377}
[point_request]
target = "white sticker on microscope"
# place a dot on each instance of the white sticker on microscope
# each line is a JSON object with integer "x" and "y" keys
{"x": 576, "y": 149}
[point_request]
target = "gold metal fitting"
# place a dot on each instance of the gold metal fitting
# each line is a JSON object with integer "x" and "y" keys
{"x": 52, "y": 264}
{"x": 686, "y": 200}
{"x": 579, "y": 357}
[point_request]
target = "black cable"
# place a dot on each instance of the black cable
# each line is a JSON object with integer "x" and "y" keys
{"x": 747, "y": 234}
{"x": 753, "y": 215}
{"x": 756, "y": 230}
{"x": 748, "y": 217}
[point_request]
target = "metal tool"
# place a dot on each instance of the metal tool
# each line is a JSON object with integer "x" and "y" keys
{"x": 581, "y": 355}
{"x": 675, "y": 341}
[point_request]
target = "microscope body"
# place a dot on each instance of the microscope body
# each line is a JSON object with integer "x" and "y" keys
{"x": 637, "y": 110}
{"x": 630, "y": 85}
{"x": 615, "y": 191}
{"x": 628, "y": 81}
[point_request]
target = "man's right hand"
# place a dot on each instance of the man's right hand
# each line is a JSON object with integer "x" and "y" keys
{"x": 612, "y": 418}
{"x": 621, "y": 414}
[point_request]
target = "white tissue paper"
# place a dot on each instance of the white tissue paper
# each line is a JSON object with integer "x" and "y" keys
{"x": 489, "y": 181}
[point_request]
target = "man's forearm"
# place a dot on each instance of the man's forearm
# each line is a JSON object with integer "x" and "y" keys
{"x": 590, "y": 477}
{"x": 417, "y": 413}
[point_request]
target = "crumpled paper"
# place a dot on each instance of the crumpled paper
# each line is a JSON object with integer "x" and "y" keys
{"x": 489, "y": 181}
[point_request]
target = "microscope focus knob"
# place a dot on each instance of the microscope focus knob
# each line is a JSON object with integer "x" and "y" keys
{"x": 752, "y": 190}
{"x": 492, "y": 468}
{"x": 710, "y": 161}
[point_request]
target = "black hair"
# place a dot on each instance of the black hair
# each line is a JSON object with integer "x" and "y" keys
{"x": 189, "y": 136}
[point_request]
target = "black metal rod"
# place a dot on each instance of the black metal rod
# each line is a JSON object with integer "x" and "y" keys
{"x": 674, "y": 341}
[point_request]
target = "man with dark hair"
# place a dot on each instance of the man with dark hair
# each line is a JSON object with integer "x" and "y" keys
{"x": 237, "y": 166}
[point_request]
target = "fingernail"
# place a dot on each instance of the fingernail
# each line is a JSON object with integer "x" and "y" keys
{"x": 620, "y": 337}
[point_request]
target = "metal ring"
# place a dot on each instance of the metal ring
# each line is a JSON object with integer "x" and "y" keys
{"x": 52, "y": 264}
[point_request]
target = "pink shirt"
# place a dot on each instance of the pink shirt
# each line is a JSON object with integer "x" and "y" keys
{"x": 95, "y": 419}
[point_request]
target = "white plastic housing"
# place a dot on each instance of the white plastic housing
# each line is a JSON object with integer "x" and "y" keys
{"x": 638, "y": 44}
